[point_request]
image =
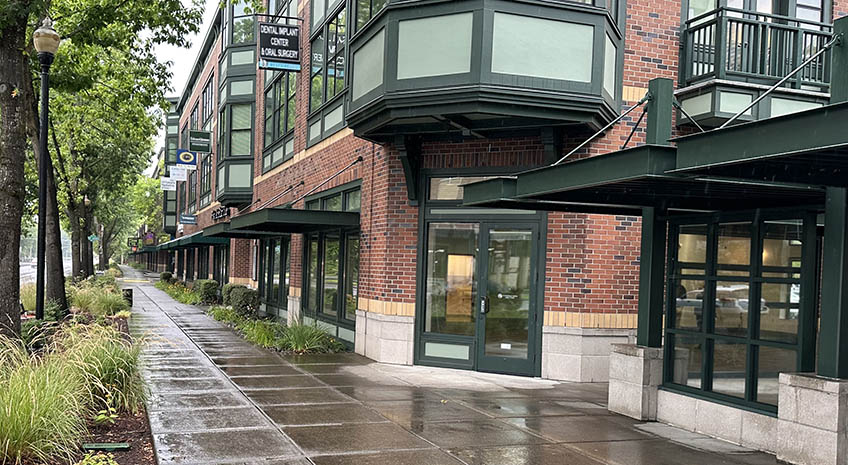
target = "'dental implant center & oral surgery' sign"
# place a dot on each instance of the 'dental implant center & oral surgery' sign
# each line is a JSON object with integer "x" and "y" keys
{"x": 279, "y": 47}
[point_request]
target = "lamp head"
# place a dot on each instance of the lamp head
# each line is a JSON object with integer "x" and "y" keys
{"x": 45, "y": 38}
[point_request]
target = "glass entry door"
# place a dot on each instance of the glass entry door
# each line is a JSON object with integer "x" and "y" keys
{"x": 506, "y": 332}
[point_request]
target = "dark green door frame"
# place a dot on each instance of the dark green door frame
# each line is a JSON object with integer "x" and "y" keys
{"x": 833, "y": 344}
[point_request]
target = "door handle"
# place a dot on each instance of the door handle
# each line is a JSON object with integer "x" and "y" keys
{"x": 484, "y": 305}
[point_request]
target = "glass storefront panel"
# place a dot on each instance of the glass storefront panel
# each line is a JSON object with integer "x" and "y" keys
{"x": 688, "y": 353}
{"x": 729, "y": 362}
{"x": 508, "y": 293}
{"x": 731, "y": 308}
{"x": 351, "y": 277}
{"x": 781, "y": 304}
{"x": 275, "y": 273}
{"x": 734, "y": 249}
{"x": 772, "y": 362}
{"x": 331, "y": 276}
{"x": 689, "y": 304}
{"x": 450, "y": 306}
{"x": 312, "y": 279}
{"x": 451, "y": 188}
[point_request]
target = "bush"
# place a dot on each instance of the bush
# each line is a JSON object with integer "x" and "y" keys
{"x": 35, "y": 334}
{"x": 28, "y": 297}
{"x": 98, "y": 459}
{"x": 53, "y": 312}
{"x": 179, "y": 292}
{"x": 226, "y": 315}
{"x": 309, "y": 339}
{"x": 42, "y": 406}
{"x": 244, "y": 300}
{"x": 108, "y": 304}
{"x": 207, "y": 290}
{"x": 166, "y": 276}
{"x": 227, "y": 290}
{"x": 265, "y": 333}
{"x": 109, "y": 365}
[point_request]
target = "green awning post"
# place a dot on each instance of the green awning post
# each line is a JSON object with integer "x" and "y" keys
{"x": 651, "y": 274}
{"x": 833, "y": 340}
{"x": 660, "y": 111}
{"x": 839, "y": 63}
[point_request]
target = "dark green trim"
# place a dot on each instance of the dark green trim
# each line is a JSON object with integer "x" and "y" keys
{"x": 287, "y": 220}
{"x": 833, "y": 345}
{"x": 349, "y": 186}
{"x": 223, "y": 230}
{"x": 839, "y": 62}
{"x": 651, "y": 279}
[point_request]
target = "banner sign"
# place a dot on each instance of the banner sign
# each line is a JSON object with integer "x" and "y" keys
{"x": 188, "y": 219}
{"x": 178, "y": 173}
{"x": 200, "y": 141}
{"x": 168, "y": 184}
{"x": 219, "y": 213}
{"x": 187, "y": 159}
{"x": 149, "y": 239}
{"x": 279, "y": 47}
{"x": 132, "y": 241}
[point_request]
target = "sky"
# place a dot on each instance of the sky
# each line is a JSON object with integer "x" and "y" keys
{"x": 181, "y": 61}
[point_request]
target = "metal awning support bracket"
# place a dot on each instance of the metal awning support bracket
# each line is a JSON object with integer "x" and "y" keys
{"x": 410, "y": 157}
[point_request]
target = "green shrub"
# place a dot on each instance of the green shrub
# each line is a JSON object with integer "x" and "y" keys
{"x": 53, "y": 312}
{"x": 109, "y": 303}
{"x": 28, "y": 297}
{"x": 166, "y": 276}
{"x": 225, "y": 315}
{"x": 42, "y": 406}
{"x": 109, "y": 365}
{"x": 179, "y": 292}
{"x": 125, "y": 314}
{"x": 84, "y": 298}
{"x": 227, "y": 290}
{"x": 244, "y": 300}
{"x": 98, "y": 459}
{"x": 207, "y": 290}
{"x": 308, "y": 339}
{"x": 265, "y": 333}
{"x": 35, "y": 334}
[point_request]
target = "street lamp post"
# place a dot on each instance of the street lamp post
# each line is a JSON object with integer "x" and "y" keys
{"x": 46, "y": 41}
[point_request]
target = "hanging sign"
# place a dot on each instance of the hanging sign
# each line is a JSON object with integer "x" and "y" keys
{"x": 168, "y": 184}
{"x": 188, "y": 219}
{"x": 92, "y": 238}
{"x": 200, "y": 141}
{"x": 187, "y": 159}
{"x": 279, "y": 47}
{"x": 178, "y": 173}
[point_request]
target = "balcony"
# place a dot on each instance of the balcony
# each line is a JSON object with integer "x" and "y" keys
{"x": 438, "y": 69}
{"x": 730, "y": 56}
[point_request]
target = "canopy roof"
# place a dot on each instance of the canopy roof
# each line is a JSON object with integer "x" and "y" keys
{"x": 288, "y": 221}
{"x": 625, "y": 181}
{"x": 193, "y": 240}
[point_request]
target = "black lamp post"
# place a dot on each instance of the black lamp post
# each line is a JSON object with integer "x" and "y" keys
{"x": 46, "y": 41}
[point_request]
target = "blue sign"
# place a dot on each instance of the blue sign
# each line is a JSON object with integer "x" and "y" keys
{"x": 187, "y": 159}
{"x": 188, "y": 219}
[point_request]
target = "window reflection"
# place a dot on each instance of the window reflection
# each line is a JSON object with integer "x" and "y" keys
{"x": 451, "y": 294}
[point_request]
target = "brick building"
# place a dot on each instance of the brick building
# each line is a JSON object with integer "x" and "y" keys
{"x": 337, "y": 191}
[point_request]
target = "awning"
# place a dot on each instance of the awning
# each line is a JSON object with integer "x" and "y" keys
{"x": 225, "y": 230}
{"x": 809, "y": 147}
{"x": 624, "y": 182}
{"x": 193, "y": 240}
{"x": 292, "y": 221}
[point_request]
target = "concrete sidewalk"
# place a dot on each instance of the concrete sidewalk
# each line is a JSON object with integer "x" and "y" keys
{"x": 217, "y": 399}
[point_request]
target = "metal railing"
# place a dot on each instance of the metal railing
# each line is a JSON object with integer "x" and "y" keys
{"x": 729, "y": 43}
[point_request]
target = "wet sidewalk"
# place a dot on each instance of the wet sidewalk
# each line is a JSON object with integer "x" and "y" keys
{"x": 217, "y": 399}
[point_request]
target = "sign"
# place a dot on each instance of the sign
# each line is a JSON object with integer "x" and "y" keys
{"x": 178, "y": 173}
{"x": 168, "y": 184}
{"x": 219, "y": 213}
{"x": 279, "y": 47}
{"x": 149, "y": 239}
{"x": 92, "y": 238}
{"x": 200, "y": 141}
{"x": 187, "y": 159}
{"x": 188, "y": 219}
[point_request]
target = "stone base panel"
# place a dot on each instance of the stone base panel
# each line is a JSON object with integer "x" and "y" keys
{"x": 580, "y": 354}
{"x": 812, "y": 420}
{"x": 385, "y": 338}
{"x": 634, "y": 374}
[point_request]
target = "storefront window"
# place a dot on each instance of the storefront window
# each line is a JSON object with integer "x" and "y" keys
{"x": 451, "y": 264}
{"x": 332, "y": 276}
{"x": 352, "y": 275}
{"x": 733, "y": 323}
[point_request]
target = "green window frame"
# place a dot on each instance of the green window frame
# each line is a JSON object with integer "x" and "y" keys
{"x": 734, "y": 320}
{"x": 189, "y": 265}
{"x": 280, "y": 114}
{"x": 222, "y": 134}
{"x": 181, "y": 187}
{"x": 203, "y": 263}
{"x": 194, "y": 118}
{"x": 275, "y": 272}
{"x": 184, "y": 137}
{"x": 367, "y": 9}
{"x": 205, "y": 181}
{"x": 208, "y": 99}
{"x": 192, "y": 190}
{"x": 244, "y": 28}
{"x": 327, "y": 71}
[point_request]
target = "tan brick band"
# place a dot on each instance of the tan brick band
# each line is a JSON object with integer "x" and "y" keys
{"x": 633, "y": 94}
{"x": 294, "y": 291}
{"x": 591, "y": 320}
{"x": 387, "y": 308}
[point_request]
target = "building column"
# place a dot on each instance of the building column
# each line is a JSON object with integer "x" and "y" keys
{"x": 839, "y": 62}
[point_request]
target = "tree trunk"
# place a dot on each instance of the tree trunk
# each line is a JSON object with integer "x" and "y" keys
{"x": 88, "y": 256}
{"x": 76, "y": 252}
{"x": 55, "y": 271}
{"x": 13, "y": 141}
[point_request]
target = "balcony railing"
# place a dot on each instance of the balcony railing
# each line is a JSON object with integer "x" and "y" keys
{"x": 739, "y": 45}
